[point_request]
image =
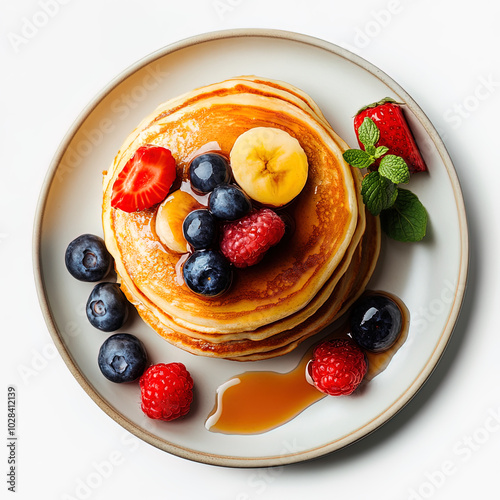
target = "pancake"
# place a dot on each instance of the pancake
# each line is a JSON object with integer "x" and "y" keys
{"x": 303, "y": 284}
{"x": 325, "y": 212}
{"x": 271, "y": 328}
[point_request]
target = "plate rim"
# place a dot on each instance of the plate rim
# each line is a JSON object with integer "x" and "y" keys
{"x": 228, "y": 460}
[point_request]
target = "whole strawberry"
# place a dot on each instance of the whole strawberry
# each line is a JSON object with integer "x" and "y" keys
{"x": 338, "y": 367}
{"x": 394, "y": 132}
{"x": 166, "y": 391}
{"x": 245, "y": 241}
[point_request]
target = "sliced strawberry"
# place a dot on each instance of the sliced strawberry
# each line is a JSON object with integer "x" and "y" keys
{"x": 394, "y": 132}
{"x": 145, "y": 180}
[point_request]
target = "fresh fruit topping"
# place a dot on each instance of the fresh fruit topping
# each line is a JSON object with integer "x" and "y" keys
{"x": 107, "y": 307}
{"x": 87, "y": 258}
{"x": 145, "y": 179}
{"x": 376, "y": 322}
{"x": 207, "y": 273}
{"x": 270, "y": 165}
{"x": 200, "y": 229}
{"x": 395, "y": 133}
{"x": 122, "y": 358}
{"x": 337, "y": 367}
{"x": 229, "y": 202}
{"x": 245, "y": 241}
{"x": 170, "y": 216}
{"x": 207, "y": 171}
{"x": 166, "y": 391}
{"x": 403, "y": 216}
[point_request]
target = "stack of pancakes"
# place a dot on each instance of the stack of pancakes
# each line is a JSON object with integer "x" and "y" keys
{"x": 302, "y": 284}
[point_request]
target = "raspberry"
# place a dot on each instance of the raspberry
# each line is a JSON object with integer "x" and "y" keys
{"x": 245, "y": 241}
{"x": 166, "y": 391}
{"x": 338, "y": 367}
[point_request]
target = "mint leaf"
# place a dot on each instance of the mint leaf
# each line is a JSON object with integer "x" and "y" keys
{"x": 406, "y": 220}
{"x": 368, "y": 132}
{"x": 378, "y": 192}
{"x": 394, "y": 168}
{"x": 380, "y": 151}
{"x": 358, "y": 158}
{"x": 370, "y": 150}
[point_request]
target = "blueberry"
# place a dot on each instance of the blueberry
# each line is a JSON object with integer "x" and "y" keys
{"x": 107, "y": 307}
{"x": 208, "y": 273}
{"x": 208, "y": 171}
{"x": 87, "y": 258}
{"x": 228, "y": 202}
{"x": 122, "y": 358}
{"x": 200, "y": 229}
{"x": 376, "y": 322}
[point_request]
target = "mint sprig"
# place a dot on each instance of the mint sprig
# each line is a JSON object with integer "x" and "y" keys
{"x": 402, "y": 215}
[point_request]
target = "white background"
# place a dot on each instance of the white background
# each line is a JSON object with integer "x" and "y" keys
{"x": 57, "y": 55}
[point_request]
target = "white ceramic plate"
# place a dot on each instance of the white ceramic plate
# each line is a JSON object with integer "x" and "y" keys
{"x": 429, "y": 276}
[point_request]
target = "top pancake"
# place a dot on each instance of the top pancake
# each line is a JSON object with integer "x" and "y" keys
{"x": 325, "y": 213}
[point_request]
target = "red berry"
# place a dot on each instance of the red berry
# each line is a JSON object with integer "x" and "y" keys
{"x": 338, "y": 367}
{"x": 145, "y": 179}
{"x": 166, "y": 391}
{"x": 394, "y": 132}
{"x": 245, "y": 241}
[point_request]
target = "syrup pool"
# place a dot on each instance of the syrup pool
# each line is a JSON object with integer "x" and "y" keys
{"x": 258, "y": 401}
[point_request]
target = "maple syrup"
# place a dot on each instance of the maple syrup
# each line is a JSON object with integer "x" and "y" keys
{"x": 258, "y": 401}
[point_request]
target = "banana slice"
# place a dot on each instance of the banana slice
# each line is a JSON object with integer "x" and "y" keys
{"x": 170, "y": 216}
{"x": 269, "y": 165}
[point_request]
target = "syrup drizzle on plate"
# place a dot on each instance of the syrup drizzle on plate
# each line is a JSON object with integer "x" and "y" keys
{"x": 258, "y": 401}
